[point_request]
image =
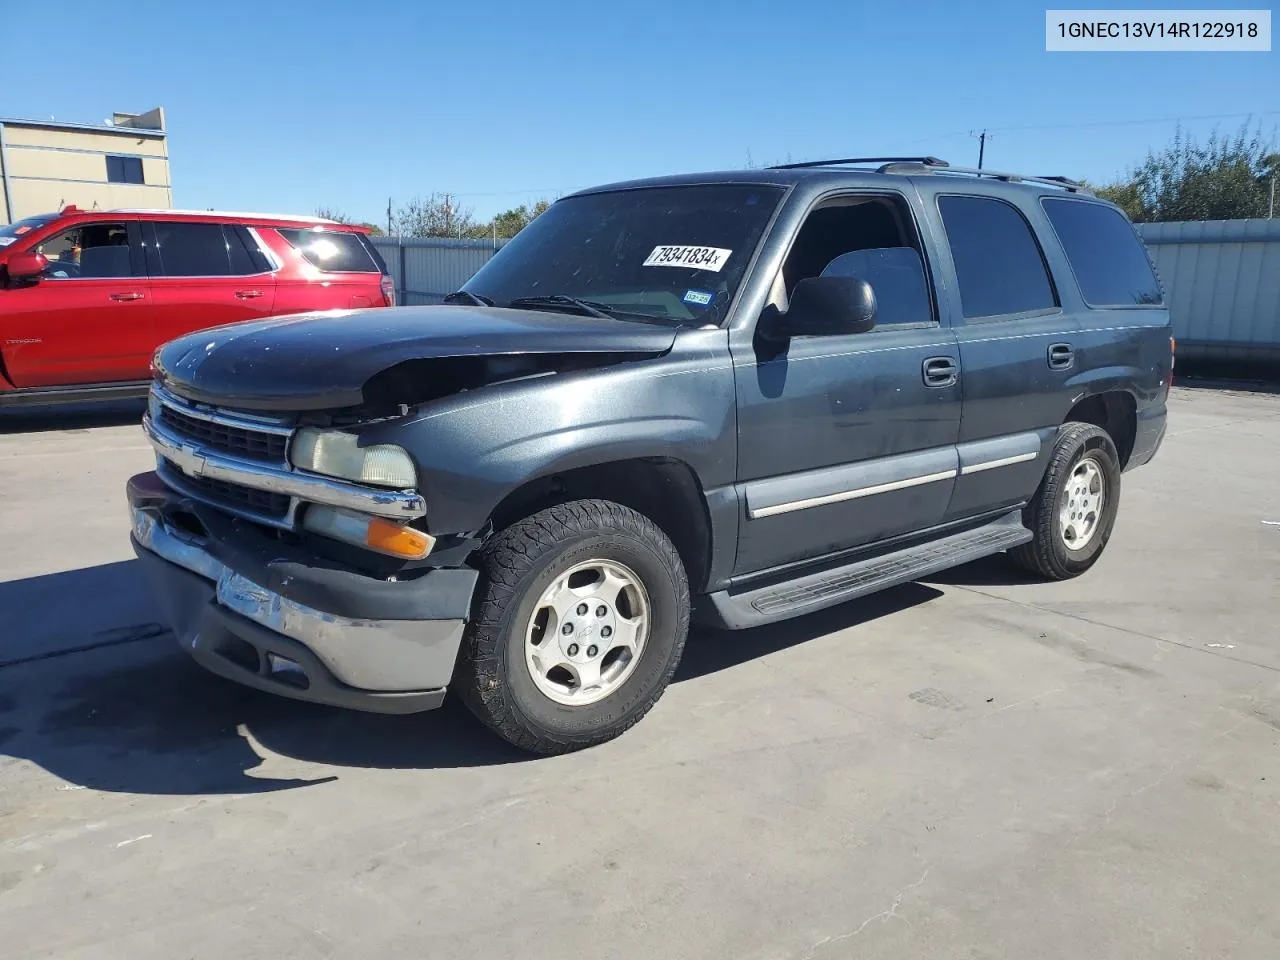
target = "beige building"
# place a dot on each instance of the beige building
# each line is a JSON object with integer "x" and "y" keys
{"x": 45, "y": 165}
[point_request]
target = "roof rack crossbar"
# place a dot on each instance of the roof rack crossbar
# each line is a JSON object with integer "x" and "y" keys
{"x": 909, "y": 165}
{"x": 1072, "y": 186}
{"x": 927, "y": 161}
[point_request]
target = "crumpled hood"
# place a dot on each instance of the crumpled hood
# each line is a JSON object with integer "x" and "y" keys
{"x": 323, "y": 360}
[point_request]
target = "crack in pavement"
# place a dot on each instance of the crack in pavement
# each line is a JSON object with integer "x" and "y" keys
{"x": 883, "y": 915}
{"x": 144, "y": 631}
{"x": 1111, "y": 626}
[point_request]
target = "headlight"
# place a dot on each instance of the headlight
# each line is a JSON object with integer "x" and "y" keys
{"x": 337, "y": 454}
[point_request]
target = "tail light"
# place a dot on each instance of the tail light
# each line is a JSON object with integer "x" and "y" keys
{"x": 388, "y": 291}
{"x": 1173, "y": 358}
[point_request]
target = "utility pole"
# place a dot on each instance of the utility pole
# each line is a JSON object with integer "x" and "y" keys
{"x": 388, "y": 216}
{"x": 982, "y": 144}
{"x": 1271, "y": 210}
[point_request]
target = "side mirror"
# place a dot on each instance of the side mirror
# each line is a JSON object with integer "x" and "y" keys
{"x": 830, "y": 306}
{"x": 27, "y": 266}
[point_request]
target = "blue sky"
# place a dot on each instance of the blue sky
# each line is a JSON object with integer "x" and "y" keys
{"x": 287, "y": 105}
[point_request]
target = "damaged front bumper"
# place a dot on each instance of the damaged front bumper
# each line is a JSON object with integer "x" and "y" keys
{"x": 271, "y": 617}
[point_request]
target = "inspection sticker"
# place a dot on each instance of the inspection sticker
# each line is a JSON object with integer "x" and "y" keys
{"x": 700, "y": 297}
{"x": 691, "y": 258}
{"x": 5, "y": 241}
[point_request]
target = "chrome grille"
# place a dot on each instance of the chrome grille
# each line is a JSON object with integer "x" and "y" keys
{"x": 238, "y": 461}
{"x": 241, "y": 441}
{"x": 260, "y": 503}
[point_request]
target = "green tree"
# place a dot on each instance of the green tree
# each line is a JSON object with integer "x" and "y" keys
{"x": 435, "y": 216}
{"x": 1126, "y": 196}
{"x": 332, "y": 213}
{"x": 510, "y": 222}
{"x": 1225, "y": 178}
{"x": 336, "y": 215}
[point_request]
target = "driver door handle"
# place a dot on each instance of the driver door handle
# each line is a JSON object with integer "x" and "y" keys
{"x": 941, "y": 371}
{"x": 248, "y": 294}
{"x": 126, "y": 296}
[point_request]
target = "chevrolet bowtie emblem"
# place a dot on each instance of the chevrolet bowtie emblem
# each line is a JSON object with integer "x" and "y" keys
{"x": 190, "y": 461}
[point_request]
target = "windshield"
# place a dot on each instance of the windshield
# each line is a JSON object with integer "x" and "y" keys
{"x": 666, "y": 254}
{"x": 13, "y": 232}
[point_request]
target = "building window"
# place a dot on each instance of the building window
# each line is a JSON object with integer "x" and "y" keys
{"x": 124, "y": 169}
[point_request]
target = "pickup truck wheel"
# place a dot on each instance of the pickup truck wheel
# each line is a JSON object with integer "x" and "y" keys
{"x": 1074, "y": 510}
{"x": 580, "y": 618}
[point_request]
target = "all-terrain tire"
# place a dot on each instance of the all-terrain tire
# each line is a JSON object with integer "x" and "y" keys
{"x": 1050, "y": 553}
{"x": 516, "y": 567}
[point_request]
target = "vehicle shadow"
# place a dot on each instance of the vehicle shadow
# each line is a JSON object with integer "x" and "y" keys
{"x": 994, "y": 571}
{"x": 1241, "y": 376}
{"x": 69, "y": 418}
{"x": 134, "y": 714}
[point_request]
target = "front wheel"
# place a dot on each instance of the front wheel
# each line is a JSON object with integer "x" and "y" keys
{"x": 1074, "y": 510}
{"x": 579, "y": 624}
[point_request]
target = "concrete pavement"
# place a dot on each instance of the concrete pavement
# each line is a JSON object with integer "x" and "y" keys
{"x": 976, "y": 767}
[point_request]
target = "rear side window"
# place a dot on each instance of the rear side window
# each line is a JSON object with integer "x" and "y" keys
{"x": 999, "y": 265}
{"x": 1105, "y": 254}
{"x": 246, "y": 257}
{"x": 332, "y": 251}
{"x": 191, "y": 250}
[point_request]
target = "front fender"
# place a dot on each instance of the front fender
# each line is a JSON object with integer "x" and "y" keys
{"x": 476, "y": 448}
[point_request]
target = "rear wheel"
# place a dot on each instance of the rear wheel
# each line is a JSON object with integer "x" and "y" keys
{"x": 580, "y": 622}
{"x": 1074, "y": 510}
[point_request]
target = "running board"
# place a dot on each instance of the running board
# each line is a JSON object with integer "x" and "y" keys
{"x": 75, "y": 393}
{"x": 749, "y": 608}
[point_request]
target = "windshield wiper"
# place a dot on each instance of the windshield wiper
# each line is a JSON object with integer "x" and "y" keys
{"x": 559, "y": 300}
{"x": 477, "y": 299}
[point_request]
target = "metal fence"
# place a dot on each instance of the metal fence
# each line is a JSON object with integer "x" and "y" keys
{"x": 1222, "y": 280}
{"x": 426, "y": 269}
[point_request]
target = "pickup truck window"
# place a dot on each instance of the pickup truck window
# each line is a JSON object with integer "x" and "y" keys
{"x": 999, "y": 265}
{"x": 1105, "y": 254}
{"x": 666, "y": 254}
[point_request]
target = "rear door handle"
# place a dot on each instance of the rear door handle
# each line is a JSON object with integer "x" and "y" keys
{"x": 126, "y": 296}
{"x": 940, "y": 371}
{"x": 1061, "y": 356}
{"x": 248, "y": 294}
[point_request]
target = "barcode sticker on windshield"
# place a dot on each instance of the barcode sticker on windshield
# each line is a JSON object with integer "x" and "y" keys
{"x": 691, "y": 258}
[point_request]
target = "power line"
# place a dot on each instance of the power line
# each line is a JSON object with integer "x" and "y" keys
{"x": 1102, "y": 123}
{"x": 509, "y": 193}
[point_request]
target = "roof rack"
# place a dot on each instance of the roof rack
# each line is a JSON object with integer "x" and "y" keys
{"x": 1066, "y": 183}
{"x": 240, "y": 215}
{"x": 929, "y": 165}
{"x": 927, "y": 161}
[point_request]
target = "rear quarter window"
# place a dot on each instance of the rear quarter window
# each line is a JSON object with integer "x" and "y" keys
{"x": 1105, "y": 254}
{"x": 333, "y": 251}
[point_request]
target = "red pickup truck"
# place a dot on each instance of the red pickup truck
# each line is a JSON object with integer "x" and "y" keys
{"x": 87, "y": 296}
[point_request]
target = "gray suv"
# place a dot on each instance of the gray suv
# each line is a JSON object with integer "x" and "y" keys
{"x": 745, "y": 396}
